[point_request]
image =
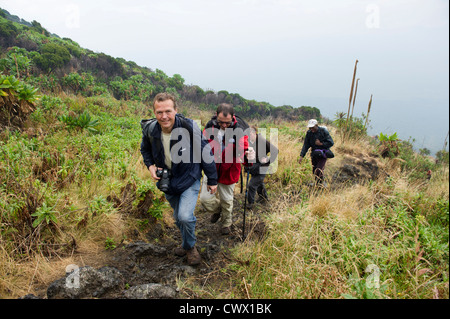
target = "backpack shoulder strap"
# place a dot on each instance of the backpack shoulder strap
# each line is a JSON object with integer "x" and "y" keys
{"x": 185, "y": 124}
{"x": 147, "y": 128}
{"x": 241, "y": 123}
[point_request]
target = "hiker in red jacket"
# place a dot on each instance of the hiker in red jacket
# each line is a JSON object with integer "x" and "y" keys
{"x": 226, "y": 135}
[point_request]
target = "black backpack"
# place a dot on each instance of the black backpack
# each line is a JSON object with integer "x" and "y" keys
{"x": 241, "y": 123}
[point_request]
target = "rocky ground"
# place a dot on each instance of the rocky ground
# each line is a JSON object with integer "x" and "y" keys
{"x": 149, "y": 269}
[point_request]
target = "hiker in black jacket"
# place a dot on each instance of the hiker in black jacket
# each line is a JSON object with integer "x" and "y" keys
{"x": 319, "y": 140}
{"x": 174, "y": 144}
{"x": 260, "y": 168}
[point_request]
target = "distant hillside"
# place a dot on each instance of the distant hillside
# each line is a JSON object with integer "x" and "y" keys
{"x": 14, "y": 18}
{"x": 53, "y": 64}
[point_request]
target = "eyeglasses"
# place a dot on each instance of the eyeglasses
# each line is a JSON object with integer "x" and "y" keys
{"x": 224, "y": 123}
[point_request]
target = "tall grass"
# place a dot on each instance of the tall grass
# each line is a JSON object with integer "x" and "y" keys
{"x": 385, "y": 239}
{"x": 331, "y": 245}
{"x": 324, "y": 249}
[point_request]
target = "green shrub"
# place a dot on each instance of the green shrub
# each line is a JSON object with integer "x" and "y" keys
{"x": 52, "y": 56}
{"x": 82, "y": 121}
{"x": 44, "y": 213}
{"x": 77, "y": 82}
{"x": 16, "y": 62}
{"x": 10, "y": 85}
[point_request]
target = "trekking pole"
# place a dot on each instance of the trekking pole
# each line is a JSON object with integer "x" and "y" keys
{"x": 245, "y": 207}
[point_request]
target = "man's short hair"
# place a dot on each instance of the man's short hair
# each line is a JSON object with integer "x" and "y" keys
{"x": 164, "y": 96}
{"x": 225, "y": 109}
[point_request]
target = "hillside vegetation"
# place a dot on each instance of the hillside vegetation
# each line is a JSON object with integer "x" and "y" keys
{"x": 73, "y": 186}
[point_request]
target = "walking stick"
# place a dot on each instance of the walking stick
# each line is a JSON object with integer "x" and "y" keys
{"x": 245, "y": 207}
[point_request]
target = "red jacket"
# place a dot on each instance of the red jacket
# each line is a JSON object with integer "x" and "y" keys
{"x": 231, "y": 154}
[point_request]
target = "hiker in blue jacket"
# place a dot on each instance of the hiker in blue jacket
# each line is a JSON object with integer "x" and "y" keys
{"x": 319, "y": 140}
{"x": 176, "y": 144}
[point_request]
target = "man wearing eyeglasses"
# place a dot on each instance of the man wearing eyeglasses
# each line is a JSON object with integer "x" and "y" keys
{"x": 226, "y": 134}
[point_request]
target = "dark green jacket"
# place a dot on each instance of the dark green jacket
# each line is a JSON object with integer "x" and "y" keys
{"x": 310, "y": 140}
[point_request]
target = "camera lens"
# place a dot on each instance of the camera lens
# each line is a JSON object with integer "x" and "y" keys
{"x": 164, "y": 182}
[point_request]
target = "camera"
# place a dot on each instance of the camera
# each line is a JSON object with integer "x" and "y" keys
{"x": 164, "y": 182}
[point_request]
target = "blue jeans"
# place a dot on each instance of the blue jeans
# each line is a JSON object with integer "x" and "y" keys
{"x": 183, "y": 212}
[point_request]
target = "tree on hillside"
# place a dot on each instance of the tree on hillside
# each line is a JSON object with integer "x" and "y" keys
{"x": 53, "y": 63}
{"x": 8, "y": 33}
{"x": 176, "y": 82}
{"x": 309, "y": 112}
{"x": 39, "y": 29}
{"x": 108, "y": 65}
{"x": 424, "y": 151}
{"x": 222, "y": 95}
{"x": 442, "y": 157}
{"x": 52, "y": 56}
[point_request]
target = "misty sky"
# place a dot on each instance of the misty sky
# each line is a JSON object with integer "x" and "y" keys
{"x": 281, "y": 51}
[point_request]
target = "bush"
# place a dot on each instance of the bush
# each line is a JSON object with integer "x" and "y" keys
{"x": 77, "y": 82}
{"x": 16, "y": 62}
{"x": 8, "y": 32}
{"x": 388, "y": 145}
{"x": 442, "y": 157}
{"x": 52, "y": 56}
{"x": 83, "y": 121}
{"x": 415, "y": 164}
{"x": 16, "y": 100}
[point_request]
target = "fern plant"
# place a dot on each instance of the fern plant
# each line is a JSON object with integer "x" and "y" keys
{"x": 82, "y": 121}
{"x": 388, "y": 145}
{"x": 16, "y": 100}
{"x": 86, "y": 122}
{"x": 386, "y": 138}
{"x": 27, "y": 93}
{"x": 9, "y": 83}
{"x": 44, "y": 213}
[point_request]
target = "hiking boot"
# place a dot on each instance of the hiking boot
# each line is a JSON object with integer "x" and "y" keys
{"x": 225, "y": 230}
{"x": 193, "y": 257}
{"x": 250, "y": 206}
{"x": 180, "y": 251}
{"x": 215, "y": 217}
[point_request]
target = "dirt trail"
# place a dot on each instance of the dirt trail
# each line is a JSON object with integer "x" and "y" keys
{"x": 150, "y": 269}
{"x": 154, "y": 261}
